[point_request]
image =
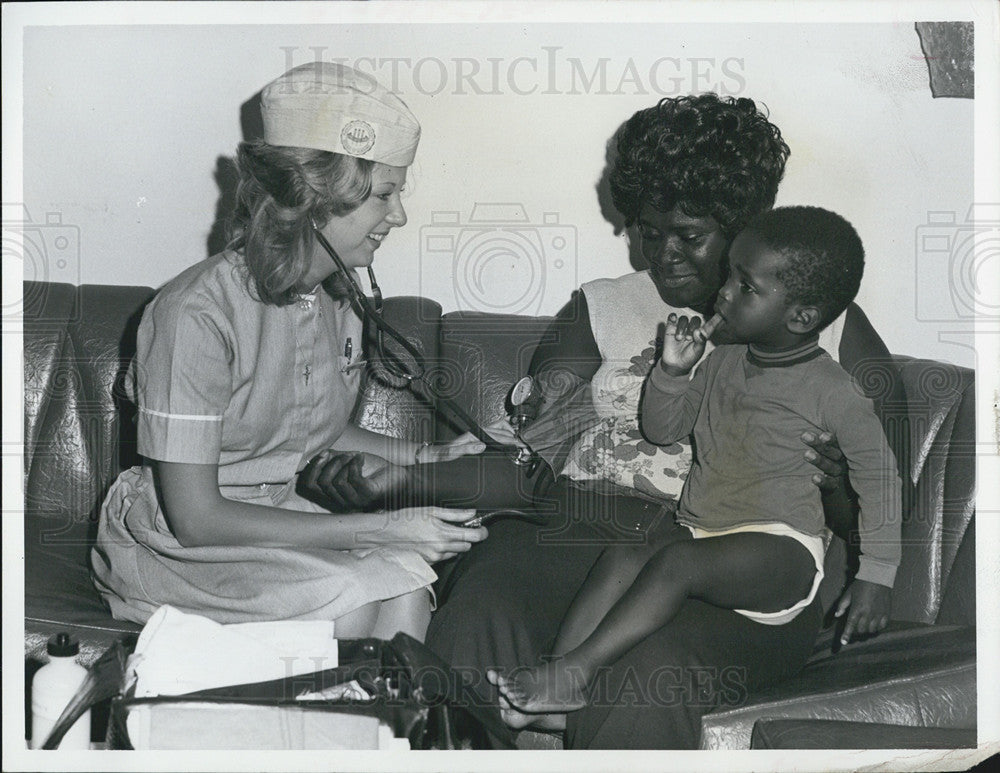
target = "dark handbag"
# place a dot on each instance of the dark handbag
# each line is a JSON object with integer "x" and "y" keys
{"x": 410, "y": 689}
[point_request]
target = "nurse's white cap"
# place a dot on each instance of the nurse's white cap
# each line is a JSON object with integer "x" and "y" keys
{"x": 328, "y": 106}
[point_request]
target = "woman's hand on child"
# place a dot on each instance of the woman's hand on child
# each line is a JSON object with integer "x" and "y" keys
{"x": 825, "y": 455}
{"x": 839, "y": 500}
{"x": 436, "y": 533}
{"x": 869, "y": 604}
{"x": 683, "y": 344}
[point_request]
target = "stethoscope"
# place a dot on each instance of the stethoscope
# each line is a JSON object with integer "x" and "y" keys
{"x": 371, "y": 310}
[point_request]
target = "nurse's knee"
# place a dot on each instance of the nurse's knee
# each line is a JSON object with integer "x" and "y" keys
{"x": 409, "y": 614}
{"x": 358, "y": 623}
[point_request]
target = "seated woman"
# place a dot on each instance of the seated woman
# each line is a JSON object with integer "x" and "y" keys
{"x": 689, "y": 173}
{"x": 243, "y": 373}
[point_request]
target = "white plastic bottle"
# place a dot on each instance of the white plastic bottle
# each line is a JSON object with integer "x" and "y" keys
{"x": 53, "y": 687}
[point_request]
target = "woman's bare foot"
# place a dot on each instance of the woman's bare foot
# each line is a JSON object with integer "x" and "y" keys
{"x": 558, "y": 686}
{"x": 519, "y": 720}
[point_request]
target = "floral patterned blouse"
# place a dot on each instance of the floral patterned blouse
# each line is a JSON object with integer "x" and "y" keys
{"x": 624, "y": 314}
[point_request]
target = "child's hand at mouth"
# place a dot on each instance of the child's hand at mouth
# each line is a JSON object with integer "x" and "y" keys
{"x": 684, "y": 342}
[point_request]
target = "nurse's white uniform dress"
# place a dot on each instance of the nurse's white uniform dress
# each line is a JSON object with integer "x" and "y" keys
{"x": 222, "y": 378}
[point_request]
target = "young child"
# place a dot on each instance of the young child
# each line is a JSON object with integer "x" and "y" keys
{"x": 749, "y": 504}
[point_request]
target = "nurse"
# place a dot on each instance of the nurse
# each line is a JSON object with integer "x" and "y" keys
{"x": 242, "y": 374}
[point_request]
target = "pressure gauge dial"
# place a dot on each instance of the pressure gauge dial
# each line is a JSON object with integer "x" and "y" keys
{"x": 522, "y": 391}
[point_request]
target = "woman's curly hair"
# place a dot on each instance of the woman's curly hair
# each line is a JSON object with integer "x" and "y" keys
{"x": 281, "y": 191}
{"x": 710, "y": 155}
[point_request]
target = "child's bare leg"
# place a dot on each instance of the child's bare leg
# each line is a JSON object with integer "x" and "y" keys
{"x": 611, "y": 576}
{"x": 751, "y": 570}
{"x": 409, "y": 613}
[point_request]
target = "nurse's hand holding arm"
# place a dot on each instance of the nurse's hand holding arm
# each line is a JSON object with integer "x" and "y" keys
{"x": 199, "y": 515}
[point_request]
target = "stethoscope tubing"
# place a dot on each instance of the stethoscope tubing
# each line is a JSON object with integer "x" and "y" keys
{"x": 394, "y": 364}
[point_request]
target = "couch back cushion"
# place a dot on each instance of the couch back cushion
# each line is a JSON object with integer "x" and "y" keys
{"x": 936, "y": 581}
{"x": 482, "y": 355}
{"x": 77, "y": 345}
{"x": 936, "y": 577}
{"x": 386, "y": 403}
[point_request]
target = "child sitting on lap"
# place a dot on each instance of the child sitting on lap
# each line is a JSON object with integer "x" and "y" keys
{"x": 749, "y": 504}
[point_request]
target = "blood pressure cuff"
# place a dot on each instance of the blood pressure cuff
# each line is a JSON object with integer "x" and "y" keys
{"x": 561, "y": 419}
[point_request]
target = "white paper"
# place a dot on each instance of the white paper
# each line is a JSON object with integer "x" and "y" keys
{"x": 179, "y": 653}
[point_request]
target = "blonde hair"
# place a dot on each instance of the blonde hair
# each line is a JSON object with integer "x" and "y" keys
{"x": 282, "y": 191}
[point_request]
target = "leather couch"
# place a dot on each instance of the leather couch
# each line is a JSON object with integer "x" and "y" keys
{"x": 79, "y": 433}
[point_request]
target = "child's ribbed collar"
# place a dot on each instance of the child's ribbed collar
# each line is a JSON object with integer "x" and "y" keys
{"x": 782, "y": 358}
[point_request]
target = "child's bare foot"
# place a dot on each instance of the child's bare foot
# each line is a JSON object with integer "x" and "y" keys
{"x": 519, "y": 720}
{"x": 558, "y": 686}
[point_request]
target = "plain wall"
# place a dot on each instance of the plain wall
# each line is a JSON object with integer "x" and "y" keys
{"x": 127, "y": 131}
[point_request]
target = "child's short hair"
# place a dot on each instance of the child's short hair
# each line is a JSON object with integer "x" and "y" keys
{"x": 825, "y": 256}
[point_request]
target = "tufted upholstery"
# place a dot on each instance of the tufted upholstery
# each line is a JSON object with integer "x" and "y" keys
{"x": 398, "y": 412}
{"x": 78, "y": 434}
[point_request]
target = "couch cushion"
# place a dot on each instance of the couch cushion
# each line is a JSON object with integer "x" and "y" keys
{"x": 936, "y": 577}
{"x": 834, "y": 734}
{"x": 104, "y": 342}
{"x": 73, "y": 436}
{"x": 917, "y": 675}
{"x": 48, "y": 309}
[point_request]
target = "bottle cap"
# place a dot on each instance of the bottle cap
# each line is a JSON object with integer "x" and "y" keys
{"x": 62, "y": 646}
